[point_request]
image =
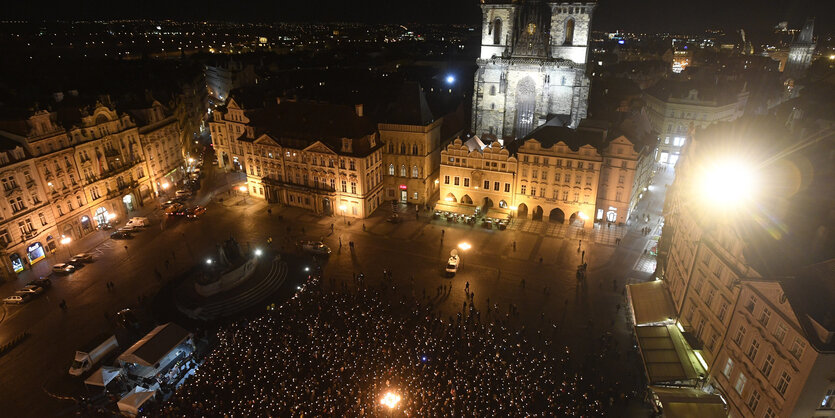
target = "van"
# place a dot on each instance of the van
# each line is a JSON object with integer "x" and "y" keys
{"x": 137, "y": 221}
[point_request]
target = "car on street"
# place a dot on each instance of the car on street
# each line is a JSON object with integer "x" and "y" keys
{"x": 43, "y": 283}
{"x": 63, "y": 268}
{"x": 137, "y": 222}
{"x": 169, "y": 203}
{"x": 183, "y": 193}
{"x": 17, "y": 299}
{"x": 174, "y": 210}
{"x": 30, "y": 289}
{"x": 75, "y": 263}
{"x": 314, "y": 247}
{"x": 121, "y": 235}
{"x": 452, "y": 265}
{"x": 195, "y": 212}
{"x": 84, "y": 257}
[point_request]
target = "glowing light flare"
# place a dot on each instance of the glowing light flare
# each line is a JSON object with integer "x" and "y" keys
{"x": 448, "y": 199}
{"x": 65, "y": 240}
{"x": 513, "y": 207}
{"x": 465, "y": 246}
{"x": 450, "y": 79}
{"x": 242, "y": 188}
{"x": 343, "y": 208}
{"x": 390, "y": 400}
{"x": 728, "y": 183}
{"x": 582, "y": 215}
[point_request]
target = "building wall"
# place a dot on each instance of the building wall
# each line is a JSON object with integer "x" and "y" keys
{"x": 464, "y": 173}
{"x": 417, "y": 150}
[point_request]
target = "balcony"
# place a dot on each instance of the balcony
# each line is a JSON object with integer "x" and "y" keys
{"x": 30, "y": 233}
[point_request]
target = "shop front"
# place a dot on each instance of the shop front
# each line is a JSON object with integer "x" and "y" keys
{"x": 17, "y": 262}
{"x": 35, "y": 252}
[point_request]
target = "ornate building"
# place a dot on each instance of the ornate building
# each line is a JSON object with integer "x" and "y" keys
{"x": 161, "y": 141}
{"x": 532, "y": 66}
{"x": 322, "y": 157}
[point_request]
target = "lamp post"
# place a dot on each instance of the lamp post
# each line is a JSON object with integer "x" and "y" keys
{"x": 243, "y": 190}
{"x": 65, "y": 241}
{"x": 343, "y": 208}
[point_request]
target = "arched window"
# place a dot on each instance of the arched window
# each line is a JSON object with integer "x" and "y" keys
{"x": 497, "y": 31}
{"x": 391, "y": 169}
{"x": 414, "y": 150}
{"x": 403, "y": 170}
{"x": 415, "y": 173}
{"x": 492, "y": 90}
{"x": 569, "y": 32}
{"x": 402, "y": 148}
{"x": 525, "y": 106}
{"x": 391, "y": 148}
{"x": 502, "y": 204}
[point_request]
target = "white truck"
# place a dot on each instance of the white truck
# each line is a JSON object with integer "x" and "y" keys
{"x": 84, "y": 361}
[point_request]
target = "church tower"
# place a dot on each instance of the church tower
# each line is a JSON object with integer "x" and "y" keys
{"x": 801, "y": 51}
{"x": 532, "y": 66}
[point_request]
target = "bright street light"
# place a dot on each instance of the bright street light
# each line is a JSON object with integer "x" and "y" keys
{"x": 208, "y": 261}
{"x": 465, "y": 246}
{"x": 165, "y": 186}
{"x": 242, "y": 189}
{"x": 582, "y": 215}
{"x": 190, "y": 160}
{"x": 390, "y": 399}
{"x": 343, "y": 208}
{"x": 65, "y": 240}
{"x": 257, "y": 252}
{"x": 727, "y": 183}
{"x": 513, "y": 208}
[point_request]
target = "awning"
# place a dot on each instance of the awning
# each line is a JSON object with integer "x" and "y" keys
{"x": 498, "y": 213}
{"x": 667, "y": 357}
{"x": 132, "y": 402}
{"x": 103, "y": 376}
{"x": 650, "y": 303}
{"x": 688, "y": 403}
{"x": 156, "y": 345}
{"x": 455, "y": 208}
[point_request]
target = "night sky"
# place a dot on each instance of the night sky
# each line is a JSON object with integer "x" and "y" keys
{"x": 630, "y": 15}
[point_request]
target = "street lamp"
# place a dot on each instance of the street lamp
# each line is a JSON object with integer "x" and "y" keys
{"x": 343, "y": 208}
{"x": 464, "y": 246}
{"x": 65, "y": 241}
{"x": 257, "y": 252}
{"x": 244, "y": 190}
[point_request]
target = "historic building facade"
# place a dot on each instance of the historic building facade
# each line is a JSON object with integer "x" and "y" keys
{"x": 675, "y": 109}
{"x": 556, "y": 174}
{"x": 747, "y": 292}
{"x": 321, "y": 157}
{"x": 160, "y": 137}
{"x": 532, "y": 66}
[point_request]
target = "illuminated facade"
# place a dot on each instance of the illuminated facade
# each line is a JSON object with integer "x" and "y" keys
{"x": 755, "y": 308}
{"x": 675, "y": 109}
{"x": 320, "y": 157}
{"x": 161, "y": 141}
{"x": 556, "y": 174}
{"x": 531, "y": 67}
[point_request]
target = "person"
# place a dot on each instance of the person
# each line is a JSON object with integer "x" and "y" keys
{"x": 269, "y": 211}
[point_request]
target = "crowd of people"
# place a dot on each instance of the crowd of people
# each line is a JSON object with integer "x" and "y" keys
{"x": 337, "y": 352}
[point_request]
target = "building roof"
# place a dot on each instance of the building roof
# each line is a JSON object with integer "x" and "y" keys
{"x": 588, "y": 133}
{"x": 810, "y": 295}
{"x": 689, "y": 403}
{"x": 665, "y": 356}
{"x": 650, "y": 303}
{"x": 409, "y": 107}
{"x": 154, "y": 346}
{"x": 713, "y": 93}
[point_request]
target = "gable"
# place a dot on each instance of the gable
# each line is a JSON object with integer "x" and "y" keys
{"x": 232, "y": 104}
{"x": 266, "y": 140}
{"x": 319, "y": 147}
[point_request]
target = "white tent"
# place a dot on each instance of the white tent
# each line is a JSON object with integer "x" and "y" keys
{"x": 103, "y": 376}
{"x": 132, "y": 402}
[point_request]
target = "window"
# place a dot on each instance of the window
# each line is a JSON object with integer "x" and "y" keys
{"x": 578, "y": 179}
{"x": 765, "y": 316}
{"x": 402, "y": 170}
{"x": 576, "y": 196}
{"x": 752, "y": 302}
{"x": 466, "y": 182}
{"x": 588, "y": 180}
{"x": 42, "y": 218}
{"x": 556, "y": 177}
{"x": 524, "y": 172}
{"x": 780, "y": 332}
{"x": 740, "y": 334}
{"x": 618, "y": 195}
{"x": 753, "y": 349}
{"x": 534, "y": 173}
{"x": 567, "y": 178}
{"x": 769, "y": 413}
{"x": 507, "y": 187}
{"x": 391, "y": 169}
{"x": 415, "y": 173}
{"x": 828, "y": 401}
{"x": 402, "y": 148}
{"x": 723, "y": 309}
{"x": 457, "y": 181}
{"x": 354, "y": 187}
{"x": 544, "y": 175}
{"x": 621, "y": 179}
{"x": 783, "y": 383}
{"x": 446, "y": 179}
{"x": 798, "y": 347}
{"x": 352, "y": 165}
{"x": 710, "y": 296}
{"x": 768, "y": 365}
{"x": 523, "y": 189}
{"x": 496, "y": 186}
{"x": 533, "y": 191}
{"x": 486, "y": 184}
{"x": 344, "y": 186}
{"x": 740, "y": 383}
{"x": 754, "y": 400}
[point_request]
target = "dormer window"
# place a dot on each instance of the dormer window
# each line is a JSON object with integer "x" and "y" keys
{"x": 347, "y": 145}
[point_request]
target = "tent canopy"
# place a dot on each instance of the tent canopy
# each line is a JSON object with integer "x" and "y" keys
{"x": 455, "y": 208}
{"x": 689, "y": 403}
{"x": 650, "y": 303}
{"x": 134, "y": 400}
{"x": 498, "y": 213}
{"x": 666, "y": 357}
{"x": 103, "y": 376}
{"x": 153, "y": 347}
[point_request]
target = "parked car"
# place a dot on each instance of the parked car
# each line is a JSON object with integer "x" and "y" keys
{"x": 452, "y": 265}
{"x": 174, "y": 210}
{"x": 137, "y": 222}
{"x": 169, "y": 203}
{"x": 17, "y": 299}
{"x": 43, "y": 283}
{"x": 183, "y": 193}
{"x": 121, "y": 235}
{"x": 314, "y": 247}
{"x": 195, "y": 212}
{"x": 63, "y": 268}
{"x": 75, "y": 263}
{"x": 30, "y": 289}
{"x": 84, "y": 257}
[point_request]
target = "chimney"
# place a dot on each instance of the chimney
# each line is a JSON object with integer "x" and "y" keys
{"x": 358, "y": 109}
